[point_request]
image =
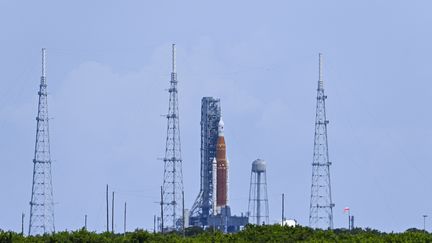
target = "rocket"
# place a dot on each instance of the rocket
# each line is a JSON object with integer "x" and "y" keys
{"x": 222, "y": 168}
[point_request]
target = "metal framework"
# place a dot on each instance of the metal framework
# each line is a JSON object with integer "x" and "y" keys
{"x": 42, "y": 203}
{"x": 321, "y": 204}
{"x": 258, "y": 210}
{"x": 210, "y": 116}
{"x": 173, "y": 177}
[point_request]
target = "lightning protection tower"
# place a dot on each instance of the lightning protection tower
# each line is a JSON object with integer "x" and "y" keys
{"x": 173, "y": 177}
{"x": 42, "y": 204}
{"x": 258, "y": 201}
{"x": 321, "y": 204}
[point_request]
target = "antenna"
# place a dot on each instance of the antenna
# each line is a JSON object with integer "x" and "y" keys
{"x": 320, "y": 80}
{"x": 173, "y": 58}
{"x": 43, "y": 62}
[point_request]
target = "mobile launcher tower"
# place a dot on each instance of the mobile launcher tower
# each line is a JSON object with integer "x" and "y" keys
{"x": 211, "y": 207}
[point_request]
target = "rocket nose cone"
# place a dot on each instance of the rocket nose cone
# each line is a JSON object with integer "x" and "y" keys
{"x": 221, "y": 127}
{"x": 221, "y": 122}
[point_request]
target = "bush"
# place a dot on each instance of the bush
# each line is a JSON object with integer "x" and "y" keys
{"x": 251, "y": 233}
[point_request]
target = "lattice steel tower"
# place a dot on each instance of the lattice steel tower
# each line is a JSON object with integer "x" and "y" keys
{"x": 321, "y": 204}
{"x": 42, "y": 203}
{"x": 173, "y": 177}
{"x": 210, "y": 116}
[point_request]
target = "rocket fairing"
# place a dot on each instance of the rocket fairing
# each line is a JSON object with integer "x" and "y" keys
{"x": 222, "y": 168}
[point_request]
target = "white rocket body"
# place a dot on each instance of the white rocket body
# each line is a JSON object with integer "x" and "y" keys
{"x": 214, "y": 182}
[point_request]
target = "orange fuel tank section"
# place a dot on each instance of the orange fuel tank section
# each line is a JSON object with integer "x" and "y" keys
{"x": 222, "y": 170}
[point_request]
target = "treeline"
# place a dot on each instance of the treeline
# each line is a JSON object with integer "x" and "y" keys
{"x": 251, "y": 233}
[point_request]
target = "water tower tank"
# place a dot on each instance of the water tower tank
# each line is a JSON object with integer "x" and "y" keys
{"x": 259, "y": 165}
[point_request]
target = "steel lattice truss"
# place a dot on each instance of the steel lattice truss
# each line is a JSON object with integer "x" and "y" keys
{"x": 321, "y": 204}
{"x": 42, "y": 204}
{"x": 173, "y": 177}
{"x": 210, "y": 116}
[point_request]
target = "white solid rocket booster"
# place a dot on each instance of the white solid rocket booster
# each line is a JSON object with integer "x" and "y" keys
{"x": 214, "y": 182}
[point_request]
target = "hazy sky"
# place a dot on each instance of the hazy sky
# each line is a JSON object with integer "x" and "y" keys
{"x": 108, "y": 65}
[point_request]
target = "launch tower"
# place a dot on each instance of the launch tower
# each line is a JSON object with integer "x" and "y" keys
{"x": 211, "y": 209}
{"x": 210, "y": 116}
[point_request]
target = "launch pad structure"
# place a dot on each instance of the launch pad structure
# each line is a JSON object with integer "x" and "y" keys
{"x": 211, "y": 207}
{"x": 210, "y": 116}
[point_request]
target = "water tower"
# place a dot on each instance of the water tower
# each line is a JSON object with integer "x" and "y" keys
{"x": 258, "y": 200}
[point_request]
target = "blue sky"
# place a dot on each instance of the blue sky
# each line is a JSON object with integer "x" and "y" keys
{"x": 108, "y": 65}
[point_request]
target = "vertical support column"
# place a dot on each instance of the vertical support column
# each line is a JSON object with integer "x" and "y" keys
{"x": 112, "y": 213}
{"x": 258, "y": 192}
{"x": 107, "y": 209}
{"x": 22, "y": 223}
{"x": 124, "y": 220}
{"x": 283, "y": 208}
{"x": 162, "y": 211}
{"x": 184, "y": 214}
{"x": 154, "y": 224}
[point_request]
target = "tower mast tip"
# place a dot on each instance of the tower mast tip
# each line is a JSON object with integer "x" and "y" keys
{"x": 43, "y": 62}
{"x": 320, "y": 80}
{"x": 173, "y": 58}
